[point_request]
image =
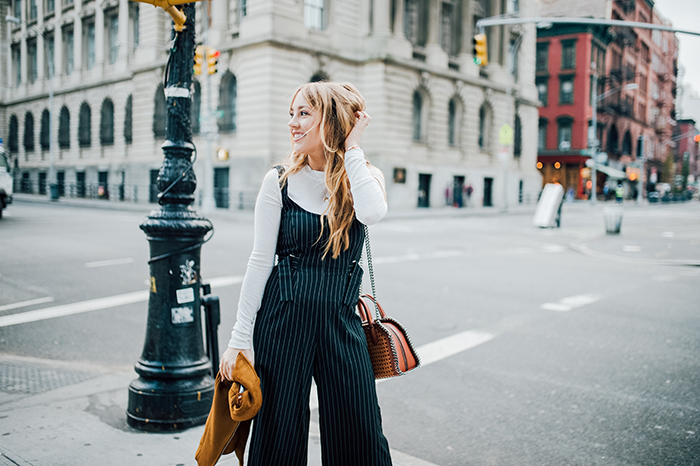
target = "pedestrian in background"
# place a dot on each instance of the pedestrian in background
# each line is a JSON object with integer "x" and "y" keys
{"x": 300, "y": 312}
{"x": 619, "y": 193}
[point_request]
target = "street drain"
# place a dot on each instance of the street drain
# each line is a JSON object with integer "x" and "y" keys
{"x": 30, "y": 379}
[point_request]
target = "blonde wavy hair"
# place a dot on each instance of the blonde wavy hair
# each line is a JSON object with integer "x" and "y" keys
{"x": 336, "y": 104}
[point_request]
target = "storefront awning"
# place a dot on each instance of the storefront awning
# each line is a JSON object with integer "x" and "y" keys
{"x": 613, "y": 173}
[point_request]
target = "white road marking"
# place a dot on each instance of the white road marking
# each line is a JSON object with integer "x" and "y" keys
{"x": 126, "y": 260}
{"x": 630, "y": 248}
{"x": 416, "y": 257}
{"x": 96, "y": 304}
{"x": 668, "y": 234}
{"x": 572, "y": 302}
{"x": 31, "y": 302}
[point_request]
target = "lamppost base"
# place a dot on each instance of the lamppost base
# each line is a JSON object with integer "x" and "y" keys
{"x": 169, "y": 405}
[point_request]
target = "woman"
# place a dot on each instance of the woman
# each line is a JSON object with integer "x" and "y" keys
{"x": 301, "y": 311}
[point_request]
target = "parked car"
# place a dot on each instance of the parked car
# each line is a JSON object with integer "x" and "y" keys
{"x": 6, "y": 181}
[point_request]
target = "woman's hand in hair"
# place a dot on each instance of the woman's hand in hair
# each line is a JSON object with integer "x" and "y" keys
{"x": 228, "y": 361}
{"x": 361, "y": 122}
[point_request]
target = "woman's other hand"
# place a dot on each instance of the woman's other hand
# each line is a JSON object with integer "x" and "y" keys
{"x": 361, "y": 123}
{"x": 228, "y": 361}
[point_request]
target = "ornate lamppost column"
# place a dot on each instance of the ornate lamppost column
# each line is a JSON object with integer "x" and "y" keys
{"x": 175, "y": 388}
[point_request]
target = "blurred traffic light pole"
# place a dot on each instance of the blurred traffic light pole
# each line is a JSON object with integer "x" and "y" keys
{"x": 175, "y": 388}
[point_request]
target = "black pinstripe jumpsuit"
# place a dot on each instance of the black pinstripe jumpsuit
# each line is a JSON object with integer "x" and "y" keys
{"x": 307, "y": 327}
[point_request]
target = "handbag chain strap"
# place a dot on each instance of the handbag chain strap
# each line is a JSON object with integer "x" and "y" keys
{"x": 371, "y": 273}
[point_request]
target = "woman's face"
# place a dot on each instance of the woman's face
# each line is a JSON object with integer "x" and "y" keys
{"x": 304, "y": 126}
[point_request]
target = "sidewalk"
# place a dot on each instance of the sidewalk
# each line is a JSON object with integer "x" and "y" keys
{"x": 55, "y": 413}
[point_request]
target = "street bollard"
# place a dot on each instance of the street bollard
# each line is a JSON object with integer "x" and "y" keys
{"x": 174, "y": 390}
{"x": 212, "y": 315}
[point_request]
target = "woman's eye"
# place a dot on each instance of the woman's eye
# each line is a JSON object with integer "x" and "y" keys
{"x": 304, "y": 113}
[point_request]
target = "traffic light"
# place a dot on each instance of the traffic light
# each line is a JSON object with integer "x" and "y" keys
{"x": 480, "y": 52}
{"x": 212, "y": 60}
{"x": 697, "y": 139}
{"x": 199, "y": 58}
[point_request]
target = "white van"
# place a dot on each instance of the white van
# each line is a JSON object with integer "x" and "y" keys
{"x": 6, "y": 181}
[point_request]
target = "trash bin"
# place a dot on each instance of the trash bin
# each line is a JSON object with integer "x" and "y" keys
{"x": 613, "y": 220}
{"x": 53, "y": 189}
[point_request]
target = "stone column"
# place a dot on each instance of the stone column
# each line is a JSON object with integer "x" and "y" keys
{"x": 123, "y": 35}
{"x": 219, "y": 23}
{"x": 399, "y": 19}
{"x": 435, "y": 55}
{"x": 99, "y": 36}
{"x": 381, "y": 15}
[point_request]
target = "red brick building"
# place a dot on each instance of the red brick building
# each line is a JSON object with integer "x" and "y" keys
{"x": 636, "y": 71}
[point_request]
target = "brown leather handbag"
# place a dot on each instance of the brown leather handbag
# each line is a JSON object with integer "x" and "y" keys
{"x": 390, "y": 348}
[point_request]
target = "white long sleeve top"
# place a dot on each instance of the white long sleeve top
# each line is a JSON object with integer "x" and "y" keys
{"x": 307, "y": 188}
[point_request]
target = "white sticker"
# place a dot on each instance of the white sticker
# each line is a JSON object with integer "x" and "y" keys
{"x": 182, "y": 315}
{"x": 185, "y": 295}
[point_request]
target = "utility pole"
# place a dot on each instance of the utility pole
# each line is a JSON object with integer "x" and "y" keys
{"x": 594, "y": 142}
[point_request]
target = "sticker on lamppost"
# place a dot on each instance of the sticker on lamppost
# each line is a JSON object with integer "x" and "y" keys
{"x": 181, "y": 315}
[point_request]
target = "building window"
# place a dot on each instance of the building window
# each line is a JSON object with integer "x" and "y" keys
{"x": 17, "y": 64}
{"x": 484, "y": 127}
{"x": 159, "y": 114}
{"x": 627, "y": 143}
{"x": 64, "y": 128}
{"x": 84, "y": 130}
{"x": 49, "y": 7}
{"x": 13, "y": 134}
{"x": 112, "y": 28}
{"x": 17, "y": 9}
{"x": 67, "y": 3}
{"x": 28, "y": 132}
{"x": 32, "y": 10}
{"x": 568, "y": 55}
{"x": 134, "y": 16}
{"x": 515, "y": 64}
{"x": 542, "y": 135}
{"x": 452, "y": 122}
{"x": 128, "y": 135}
{"x": 542, "y": 60}
{"x": 449, "y": 27}
{"x": 416, "y": 22}
{"x": 49, "y": 68}
{"x": 543, "y": 90}
{"x": 566, "y": 90}
{"x": 68, "y": 50}
{"x": 244, "y": 7}
{"x": 518, "y": 138}
{"x": 564, "y": 134}
{"x": 45, "y": 132}
{"x": 314, "y": 14}
{"x": 32, "y": 71}
{"x": 227, "y": 102}
{"x": 196, "y": 106}
{"x": 89, "y": 43}
{"x": 107, "y": 123}
{"x": 417, "y": 116}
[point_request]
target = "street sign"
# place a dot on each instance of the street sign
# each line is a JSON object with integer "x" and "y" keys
{"x": 590, "y": 163}
{"x": 505, "y": 135}
{"x": 503, "y": 154}
{"x": 602, "y": 157}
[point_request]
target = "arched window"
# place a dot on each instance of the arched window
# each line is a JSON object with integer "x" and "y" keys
{"x": 196, "y": 106}
{"x": 128, "y": 125}
{"x": 518, "y": 138}
{"x": 64, "y": 128}
{"x": 227, "y": 102}
{"x": 84, "y": 130}
{"x": 484, "y": 126}
{"x": 454, "y": 121}
{"x": 417, "y": 116}
{"x": 45, "y": 133}
{"x": 13, "y": 138}
{"x": 627, "y": 143}
{"x": 28, "y": 132}
{"x": 319, "y": 76}
{"x": 107, "y": 123}
{"x": 159, "y": 115}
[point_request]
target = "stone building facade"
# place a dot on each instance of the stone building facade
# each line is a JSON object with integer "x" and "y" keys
{"x": 436, "y": 116}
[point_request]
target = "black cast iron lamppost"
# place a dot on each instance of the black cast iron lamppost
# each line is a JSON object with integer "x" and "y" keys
{"x": 175, "y": 388}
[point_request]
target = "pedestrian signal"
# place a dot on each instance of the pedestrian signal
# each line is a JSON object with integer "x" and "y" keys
{"x": 212, "y": 60}
{"x": 199, "y": 59}
{"x": 480, "y": 52}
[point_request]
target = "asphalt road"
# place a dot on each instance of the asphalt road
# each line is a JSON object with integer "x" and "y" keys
{"x": 587, "y": 358}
